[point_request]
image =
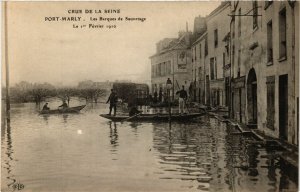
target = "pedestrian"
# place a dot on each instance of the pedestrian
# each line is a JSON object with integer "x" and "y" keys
{"x": 160, "y": 95}
{"x": 150, "y": 99}
{"x": 112, "y": 99}
{"x": 182, "y": 99}
{"x": 155, "y": 97}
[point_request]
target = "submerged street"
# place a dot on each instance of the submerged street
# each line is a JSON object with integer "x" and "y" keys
{"x": 85, "y": 152}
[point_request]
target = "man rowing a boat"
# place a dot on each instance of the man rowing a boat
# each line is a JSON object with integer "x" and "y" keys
{"x": 64, "y": 105}
{"x": 182, "y": 98}
{"x": 112, "y": 99}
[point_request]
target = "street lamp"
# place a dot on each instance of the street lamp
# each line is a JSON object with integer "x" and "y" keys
{"x": 169, "y": 87}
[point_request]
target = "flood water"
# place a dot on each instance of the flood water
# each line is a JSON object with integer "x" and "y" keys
{"x": 85, "y": 152}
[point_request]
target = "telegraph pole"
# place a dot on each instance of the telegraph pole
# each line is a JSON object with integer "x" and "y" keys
{"x": 6, "y": 63}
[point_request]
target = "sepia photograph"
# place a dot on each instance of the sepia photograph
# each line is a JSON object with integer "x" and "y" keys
{"x": 142, "y": 96}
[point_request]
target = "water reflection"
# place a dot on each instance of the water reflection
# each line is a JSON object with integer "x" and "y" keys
{"x": 216, "y": 158}
{"x": 65, "y": 117}
{"x": 178, "y": 150}
{"x": 134, "y": 126}
{"x": 202, "y": 155}
{"x": 113, "y": 135}
{"x": 46, "y": 118}
{"x": 9, "y": 160}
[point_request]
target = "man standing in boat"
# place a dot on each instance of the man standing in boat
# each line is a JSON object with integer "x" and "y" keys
{"x": 182, "y": 98}
{"x": 112, "y": 99}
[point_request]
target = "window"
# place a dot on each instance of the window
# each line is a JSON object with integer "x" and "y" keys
{"x": 233, "y": 57}
{"x": 216, "y": 68}
{"x": 224, "y": 63}
{"x": 269, "y": 43}
{"x": 233, "y": 52}
{"x": 212, "y": 68}
{"x": 239, "y": 63}
{"x": 152, "y": 71}
{"x": 192, "y": 73}
{"x": 169, "y": 67}
{"x": 192, "y": 55}
{"x": 239, "y": 23}
{"x": 268, "y": 3}
{"x": 159, "y": 69}
{"x": 255, "y": 13}
{"x": 200, "y": 49}
{"x": 233, "y": 27}
{"x": 282, "y": 34}
{"x": 195, "y": 52}
{"x": 216, "y": 37}
{"x": 199, "y": 73}
{"x": 206, "y": 47}
{"x": 270, "y": 101}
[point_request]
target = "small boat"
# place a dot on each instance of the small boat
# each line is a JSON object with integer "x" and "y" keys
{"x": 153, "y": 117}
{"x": 66, "y": 110}
{"x": 163, "y": 104}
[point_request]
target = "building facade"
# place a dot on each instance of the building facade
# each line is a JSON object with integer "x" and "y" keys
{"x": 246, "y": 59}
{"x": 172, "y": 60}
{"x": 198, "y": 69}
{"x": 197, "y": 86}
{"x": 264, "y": 75}
{"x": 279, "y": 109}
{"x": 217, "y": 29}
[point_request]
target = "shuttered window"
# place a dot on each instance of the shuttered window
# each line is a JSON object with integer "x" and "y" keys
{"x": 270, "y": 102}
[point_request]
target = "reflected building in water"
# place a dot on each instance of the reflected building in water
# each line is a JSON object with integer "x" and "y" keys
{"x": 216, "y": 157}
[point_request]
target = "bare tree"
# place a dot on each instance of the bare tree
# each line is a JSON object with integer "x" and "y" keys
{"x": 21, "y": 92}
{"x": 66, "y": 93}
{"x": 41, "y": 91}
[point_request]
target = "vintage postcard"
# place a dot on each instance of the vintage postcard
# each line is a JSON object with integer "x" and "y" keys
{"x": 150, "y": 96}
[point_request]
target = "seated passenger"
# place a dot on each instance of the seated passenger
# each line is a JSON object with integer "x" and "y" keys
{"x": 45, "y": 107}
{"x": 64, "y": 105}
{"x": 134, "y": 111}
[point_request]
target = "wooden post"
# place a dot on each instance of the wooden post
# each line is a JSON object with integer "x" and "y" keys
{"x": 6, "y": 63}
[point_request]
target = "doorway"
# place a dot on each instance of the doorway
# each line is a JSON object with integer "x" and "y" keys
{"x": 283, "y": 106}
{"x": 252, "y": 97}
{"x": 207, "y": 90}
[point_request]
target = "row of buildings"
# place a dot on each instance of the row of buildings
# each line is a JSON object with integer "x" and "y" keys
{"x": 245, "y": 56}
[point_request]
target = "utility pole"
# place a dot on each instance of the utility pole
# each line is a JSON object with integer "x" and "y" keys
{"x": 6, "y": 63}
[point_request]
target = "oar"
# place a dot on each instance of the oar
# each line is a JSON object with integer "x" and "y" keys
{"x": 131, "y": 117}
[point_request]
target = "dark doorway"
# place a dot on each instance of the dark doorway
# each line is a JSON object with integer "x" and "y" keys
{"x": 283, "y": 106}
{"x": 207, "y": 90}
{"x": 252, "y": 97}
{"x": 227, "y": 101}
{"x": 297, "y": 119}
{"x": 199, "y": 93}
{"x": 232, "y": 105}
{"x": 240, "y": 103}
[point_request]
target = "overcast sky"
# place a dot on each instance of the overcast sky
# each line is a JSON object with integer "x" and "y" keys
{"x": 55, "y": 52}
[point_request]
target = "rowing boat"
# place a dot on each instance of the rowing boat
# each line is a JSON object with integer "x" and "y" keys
{"x": 66, "y": 110}
{"x": 153, "y": 117}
